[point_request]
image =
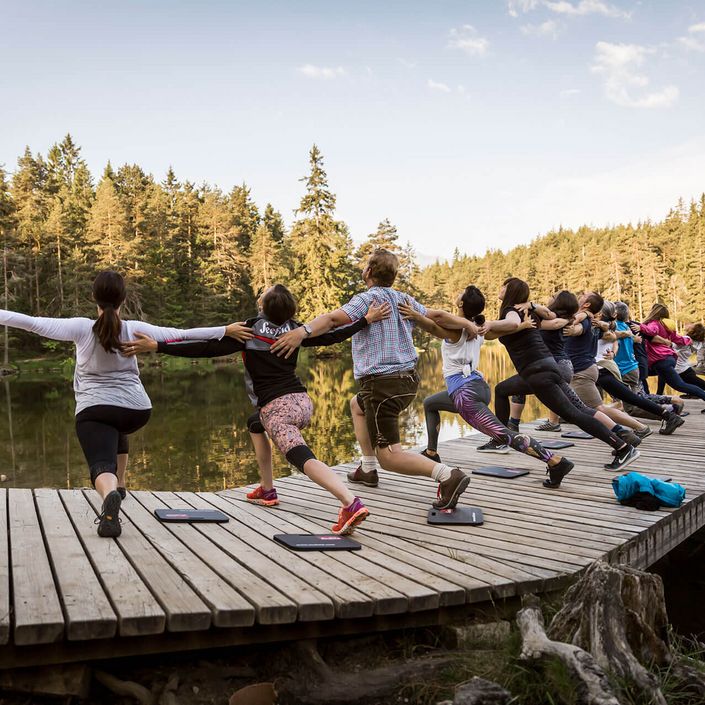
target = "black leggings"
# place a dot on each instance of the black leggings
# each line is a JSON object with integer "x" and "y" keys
{"x": 666, "y": 370}
{"x": 432, "y": 405}
{"x": 102, "y": 431}
{"x": 607, "y": 381}
{"x": 543, "y": 379}
{"x": 689, "y": 376}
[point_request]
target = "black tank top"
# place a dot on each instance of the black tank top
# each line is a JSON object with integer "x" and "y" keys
{"x": 554, "y": 341}
{"x": 524, "y": 347}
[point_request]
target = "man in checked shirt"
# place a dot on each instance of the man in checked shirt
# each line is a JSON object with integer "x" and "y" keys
{"x": 384, "y": 361}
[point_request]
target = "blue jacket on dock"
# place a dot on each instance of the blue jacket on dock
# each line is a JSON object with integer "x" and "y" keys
{"x": 667, "y": 494}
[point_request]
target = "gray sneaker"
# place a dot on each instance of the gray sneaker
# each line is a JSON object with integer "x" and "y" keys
{"x": 493, "y": 447}
{"x": 548, "y": 426}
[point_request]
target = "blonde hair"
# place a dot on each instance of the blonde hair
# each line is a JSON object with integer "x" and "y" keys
{"x": 658, "y": 312}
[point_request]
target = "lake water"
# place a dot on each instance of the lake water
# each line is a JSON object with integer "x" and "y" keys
{"x": 197, "y": 438}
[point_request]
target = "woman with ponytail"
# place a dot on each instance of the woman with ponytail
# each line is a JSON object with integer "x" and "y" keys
{"x": 467, "y": 392}
{"x": 111, "y": 402}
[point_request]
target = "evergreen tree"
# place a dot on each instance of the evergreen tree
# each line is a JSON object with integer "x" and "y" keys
{"x": 245, "y": 216}
{"x": 321, "y": 246}
{"x": 107, "y": 227}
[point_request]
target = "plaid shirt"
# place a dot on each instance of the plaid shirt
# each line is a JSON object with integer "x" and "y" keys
{"x": 384, "y": 347}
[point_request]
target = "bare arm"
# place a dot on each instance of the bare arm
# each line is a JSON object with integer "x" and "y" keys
{"x": 428, "y": 324}
{"x": 449, "y": 321}
{"x": 553, "y": 324}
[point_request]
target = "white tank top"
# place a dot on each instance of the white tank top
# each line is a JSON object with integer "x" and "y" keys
{"x": 463, "y": 357}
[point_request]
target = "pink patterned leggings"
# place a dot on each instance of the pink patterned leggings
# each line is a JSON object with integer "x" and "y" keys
{"x": 283, "y": 419}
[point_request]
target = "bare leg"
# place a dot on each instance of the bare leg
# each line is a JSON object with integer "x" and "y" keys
{"x": 397, "y": 460}
{"x": 328, "y": 479}
{"x": 360, "y": 426}
{"x": 122, "y": 470}
{"x": 106, "y": 483}
{"x": 621, "y": 417}
{"x": 516, "y": 409}
{"x": 263, "y": 453}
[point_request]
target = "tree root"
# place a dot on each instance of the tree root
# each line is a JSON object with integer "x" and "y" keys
{"x": 342, "y": 688}
{"x": 127, "y": 688}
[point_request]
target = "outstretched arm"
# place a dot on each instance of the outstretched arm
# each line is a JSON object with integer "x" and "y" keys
{"x": 553, "y": 324}
{"x": 449, "y": 322}
{"x": 428, "y": 324}
{"x": 374, "y": 313}
{"x": 55, "y": 328}
{"x": 183, "y": 348}
{"x": 507, "y": 326}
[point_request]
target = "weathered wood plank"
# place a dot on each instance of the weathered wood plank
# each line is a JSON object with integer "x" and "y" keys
{"x": 87, "y": 610}
{"x": 228, "y": 607}
{"x": 38, "y": 618}
{"x": 184, "y": 609}
{"x": 4, "y": 571}
{"x": 138, "y": 611}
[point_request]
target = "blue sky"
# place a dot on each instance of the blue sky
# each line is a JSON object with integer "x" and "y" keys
{"x": 468, "y": 124}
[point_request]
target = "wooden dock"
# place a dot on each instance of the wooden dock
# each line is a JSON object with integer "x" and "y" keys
{"x": 68, "y": 595}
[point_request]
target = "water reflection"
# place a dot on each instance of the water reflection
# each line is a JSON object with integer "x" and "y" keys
{"x": 197, "y": 438}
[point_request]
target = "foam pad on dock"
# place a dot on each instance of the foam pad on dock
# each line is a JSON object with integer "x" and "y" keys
{"x": 317, "y": 542}
{"x": 191, "y": 515}
{"x": 467, "y": 516}
{"x": 500, "y": 471}
{"x": 555, "y": 445}
{"x": 577, "y": 434}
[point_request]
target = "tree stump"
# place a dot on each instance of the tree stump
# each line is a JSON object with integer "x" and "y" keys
{"x": 613, "y": 622}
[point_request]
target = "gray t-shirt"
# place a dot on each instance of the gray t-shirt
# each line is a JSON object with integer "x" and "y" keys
{"x": 101, "y": 377}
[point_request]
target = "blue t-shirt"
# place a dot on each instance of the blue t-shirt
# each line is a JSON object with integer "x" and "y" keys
{"x": 582, "y": 349}
{"x": 625, "y": 358}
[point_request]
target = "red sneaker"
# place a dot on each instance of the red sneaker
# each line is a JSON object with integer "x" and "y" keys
{"x": 350, "y": 517}
{"x": 267, "y": 498}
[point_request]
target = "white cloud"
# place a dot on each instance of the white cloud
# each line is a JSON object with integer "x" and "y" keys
{"x": 586, "y": 7}
{"x": 549, "y": 28}
{"x": 625, "y": 83}
{"x": 517, "y": 6}
{"x": 321, "y": 72}
{"x": 564, "y": 7}
{"x": 468, "y": 40}
{"x": 693, "y": 43}
{"x": 435, "y": 86}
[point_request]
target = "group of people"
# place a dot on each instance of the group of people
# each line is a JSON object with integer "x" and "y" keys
{"x": 569, "y": 353}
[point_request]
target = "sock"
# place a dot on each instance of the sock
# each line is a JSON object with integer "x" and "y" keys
{"x": 441, "y": 472}
{"x": 514, "y": 421}
{"x": 617, "y": 428}
{"x": 369, "y": 463}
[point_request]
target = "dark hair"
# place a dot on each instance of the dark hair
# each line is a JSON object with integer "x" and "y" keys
{"x": 382, "y": 267}
{"x": 516, "y": 292}
{"x": 697, "y": 332}
{"x": 595, "y": 302}
{"x": 473, "y": 302}
{"x": 658, "y": 311}
{"x": 565, "y": 304}
{"x": 278, "y": 304}
{"x": 109, "y": 292}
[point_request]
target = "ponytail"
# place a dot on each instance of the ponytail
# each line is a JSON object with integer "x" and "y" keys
{"x": 109, "y": 292}
{"x": 473, "y": 304}
{"x": 107, "y": 329}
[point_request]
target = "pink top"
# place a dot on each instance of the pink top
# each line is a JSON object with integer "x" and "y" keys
{"x": 659, "y": 351}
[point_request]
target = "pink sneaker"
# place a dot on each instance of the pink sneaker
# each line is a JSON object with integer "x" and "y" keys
{"x": 350, "y": 517}
{"x": 267, "y": 498}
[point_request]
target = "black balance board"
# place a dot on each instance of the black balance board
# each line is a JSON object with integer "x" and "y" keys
{"x": 497, "y": 471}
{"x": 317, "y": 542}
{"x": 468, "y": 516}
{"x": 191, "y": 515}
{"x": 576, "y": 434}
{"x": 555, "y": 445}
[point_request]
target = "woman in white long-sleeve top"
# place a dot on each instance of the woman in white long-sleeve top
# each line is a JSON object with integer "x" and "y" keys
{"x": 111, "y": 401}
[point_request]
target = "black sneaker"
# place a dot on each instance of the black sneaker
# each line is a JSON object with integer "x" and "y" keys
{"x": 369, "y": 479}
{"x": 426, "y": 454}
{"x": 622, "y": 458}
{"x": 670, "y": 424}
{"x": 109, "y": 519}
{"x": 629, "y": 437}
{"x": 122, "y": 491}
{"x": 557, "y": 473}
{"x": 548, "y": 426}
{"x": 493, "y": 447}
{"x": 450, "y": 490}
{"x": 514, "y": 427}
{"x": 644, "y": 433}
